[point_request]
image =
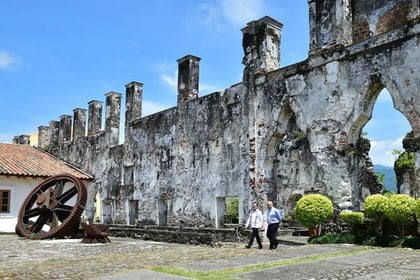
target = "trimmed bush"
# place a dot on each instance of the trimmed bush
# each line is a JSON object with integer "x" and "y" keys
{"x": 375, "y": 206}
{"x": 418, "y": 209}
{"x": 401, "y": 210}
{"x": 352, "y": 218}
{"x": 313, "y": 209}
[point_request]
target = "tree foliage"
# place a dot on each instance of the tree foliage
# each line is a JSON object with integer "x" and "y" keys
{"x": 405, "y": 161}
{"x": 375, "y": 206}
{"x": 418, "y": 209}
{"x": 352, "y": 218}
{"x": 232, "y": 208}
{"x": 401, "y": 210}
{"x": 313, "y": 209}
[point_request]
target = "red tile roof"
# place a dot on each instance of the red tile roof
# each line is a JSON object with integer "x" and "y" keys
{"x": 25, "y": 160}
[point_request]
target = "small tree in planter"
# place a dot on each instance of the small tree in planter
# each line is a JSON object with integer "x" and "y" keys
{"x": 401, "y": 211}
{"x": 313, "y": 209}
{"x": 375, "y": 208}
{"x": 352, "y": 219}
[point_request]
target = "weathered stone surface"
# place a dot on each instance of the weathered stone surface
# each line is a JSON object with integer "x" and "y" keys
{"x": 277, "y": 135}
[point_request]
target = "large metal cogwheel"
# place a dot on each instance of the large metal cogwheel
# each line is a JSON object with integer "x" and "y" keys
{"x": 53, "y": 209}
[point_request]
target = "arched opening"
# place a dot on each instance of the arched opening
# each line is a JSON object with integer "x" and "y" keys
{"x": 287, "y": 167}
{"x": 382, "y": 119}
{"x": 385, "y": 131}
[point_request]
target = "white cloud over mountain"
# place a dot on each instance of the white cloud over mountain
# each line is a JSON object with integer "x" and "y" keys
{"x": 381, "y": 151}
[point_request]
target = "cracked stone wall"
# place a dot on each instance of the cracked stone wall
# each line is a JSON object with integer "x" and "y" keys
{"x": 277, "y": 135}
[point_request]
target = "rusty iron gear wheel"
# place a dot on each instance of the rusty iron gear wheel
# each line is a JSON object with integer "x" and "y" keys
{"x": 53, "y": 209}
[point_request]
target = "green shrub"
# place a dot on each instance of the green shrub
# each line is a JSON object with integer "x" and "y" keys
{"x": 418, "y": 209}
{"x": 405, "y": 161}
{"x": 232, "y": 210}
{"x": 401, "y": 210}
{"x": 388, "y": 194}
{"x": 375, "y": 206}
{"x": 368, "y": 240}
{"x": 313, "y": 209}
{"x": 352, "y": 218}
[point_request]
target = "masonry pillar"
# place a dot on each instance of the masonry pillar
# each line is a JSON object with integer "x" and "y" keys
{"x": 112, "y": 119}
{"x": 261, "y": 44}
{"x": 330, "y": 24}
{"x": 53, "y": 133}
{"x": 95, "y": 117}
{"x": 414, "y": 11}
{"x": 188, "y": 78}
{"x": 79, "y": 124}
{"x": 21, "y": 139}
{"x": 64, "y": 133}
{"x": 43, "y": 138}
{"x": 133, "y": 102}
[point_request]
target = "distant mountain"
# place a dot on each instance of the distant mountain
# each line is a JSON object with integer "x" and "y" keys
{"x": 390, "y": 179}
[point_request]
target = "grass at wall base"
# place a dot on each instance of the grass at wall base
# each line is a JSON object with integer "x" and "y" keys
{"x": 368, "y": 240}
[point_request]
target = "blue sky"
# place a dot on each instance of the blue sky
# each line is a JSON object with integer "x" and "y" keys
{"x": 59, "y": 55}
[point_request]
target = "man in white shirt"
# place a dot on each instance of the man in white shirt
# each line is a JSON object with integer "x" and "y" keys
{"x": 255, "y": 220}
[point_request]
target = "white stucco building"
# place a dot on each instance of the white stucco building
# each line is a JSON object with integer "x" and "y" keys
{"x": 22, "y": 168}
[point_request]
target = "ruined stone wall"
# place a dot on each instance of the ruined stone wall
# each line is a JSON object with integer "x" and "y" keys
{"x": 371, "y": 18}
{"x": 351, "y": 83}
{"x": 277, "y": 135}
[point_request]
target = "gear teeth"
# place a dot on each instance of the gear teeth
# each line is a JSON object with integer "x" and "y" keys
{"x": 68, "y": 225}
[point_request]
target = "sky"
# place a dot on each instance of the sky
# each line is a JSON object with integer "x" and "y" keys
{"x": 56, "y": 56}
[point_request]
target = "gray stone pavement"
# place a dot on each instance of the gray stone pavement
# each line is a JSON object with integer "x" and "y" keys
{"x": 141, "y": 274}
{"x": 374, "y": 263}
{"x": 136, "y": 259}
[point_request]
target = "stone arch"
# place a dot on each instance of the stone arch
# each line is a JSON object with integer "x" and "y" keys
{"x": 375, "y": 87}
{"x": 273, "y": 140}
{"x": 287, "y": 165}
{"x": 364, "y": 179}
{"x": 293, "y": 199}
{"x": 403, "y": 102}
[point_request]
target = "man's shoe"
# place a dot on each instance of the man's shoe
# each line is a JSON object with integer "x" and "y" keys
{"x": 246, "y": 246}
{"x": 260, "y": 247}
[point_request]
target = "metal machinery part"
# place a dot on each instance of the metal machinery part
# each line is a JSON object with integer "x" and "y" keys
{"x": 53, "y": 209}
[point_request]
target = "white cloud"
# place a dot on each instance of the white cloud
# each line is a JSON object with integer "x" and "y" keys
{"x": 170, "y": 80}
{"x": 4, "y": 138}
{"x": 385, "y": 96}
{"x": 240, "y": 12}
{"x": 210, "y": 15}
{"x": 7, "y": 60}
{"x": 381, "y": 151}
{"x": 218, "y": 15}
{"x": 149, "y": 107}
{"x": 207, "y": 89}
{"x": 162, "y": 67}
{"x": 168, "y": 75}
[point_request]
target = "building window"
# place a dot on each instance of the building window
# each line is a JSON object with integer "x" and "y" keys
{"x": 4, "y": 201}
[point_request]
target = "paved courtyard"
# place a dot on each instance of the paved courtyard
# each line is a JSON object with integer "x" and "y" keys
{"x": 137, "y": 259}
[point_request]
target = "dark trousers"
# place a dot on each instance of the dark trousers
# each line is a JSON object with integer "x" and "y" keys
{"x": 272, "y": 234}
{"x": 254, "y": 234}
